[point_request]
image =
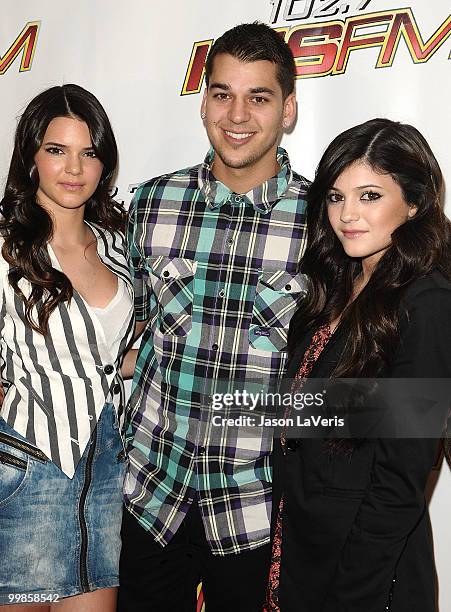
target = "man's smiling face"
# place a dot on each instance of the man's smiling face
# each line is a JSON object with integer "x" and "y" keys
{"x": 245, "y": 114}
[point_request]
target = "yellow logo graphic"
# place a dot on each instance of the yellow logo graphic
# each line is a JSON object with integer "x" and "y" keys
{"x": 25, "y": 42}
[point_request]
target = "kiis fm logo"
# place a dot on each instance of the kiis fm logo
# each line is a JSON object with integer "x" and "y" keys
{"x": 25, "y": 42}
{"x": 323, "y": 48}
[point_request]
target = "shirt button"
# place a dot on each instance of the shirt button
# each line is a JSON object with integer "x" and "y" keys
{"x": 238, "y": 199}
{"x": 166, "y": 273}
{"x": 116, "y": 389}
{"x": 230, "y": 242}
{"x": 221, "y": 293}
{"x": 288, "y": 287}
{"x": 215, "y": 346}
{"x": 108, "y": 369}
{"x": 201, "y": 450}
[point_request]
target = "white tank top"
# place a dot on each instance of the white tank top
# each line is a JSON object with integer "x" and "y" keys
{"x": 113, "y": 317}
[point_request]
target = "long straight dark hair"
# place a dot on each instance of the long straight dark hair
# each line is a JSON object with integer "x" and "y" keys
{"x": 418, "y": 246}
{"x": 27, "y": 227}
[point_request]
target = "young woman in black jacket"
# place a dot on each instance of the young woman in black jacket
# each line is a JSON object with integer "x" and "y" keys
{"x": 351, "y": 525}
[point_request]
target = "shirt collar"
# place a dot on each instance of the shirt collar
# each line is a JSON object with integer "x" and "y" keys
{"x": 262, "y": 198}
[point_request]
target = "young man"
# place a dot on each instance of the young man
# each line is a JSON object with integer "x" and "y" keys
{"x": 215, "y": 253}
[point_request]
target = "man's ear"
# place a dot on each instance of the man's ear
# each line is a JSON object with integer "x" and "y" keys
{"x": 289, "y": 111}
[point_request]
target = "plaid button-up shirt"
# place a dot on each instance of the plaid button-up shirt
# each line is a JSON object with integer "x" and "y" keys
{"x": 217, "y": 275}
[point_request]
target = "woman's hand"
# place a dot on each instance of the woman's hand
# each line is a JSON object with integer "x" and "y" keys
{"x": 129, "y": 363}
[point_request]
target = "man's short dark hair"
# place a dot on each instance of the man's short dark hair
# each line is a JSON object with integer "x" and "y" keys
{"x": 251, "y": 42}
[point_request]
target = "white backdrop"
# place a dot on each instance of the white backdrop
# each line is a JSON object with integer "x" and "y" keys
{"x": 134, "y": 56}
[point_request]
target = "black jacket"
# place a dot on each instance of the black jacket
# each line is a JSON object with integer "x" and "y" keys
{"x": 352, "y": 525}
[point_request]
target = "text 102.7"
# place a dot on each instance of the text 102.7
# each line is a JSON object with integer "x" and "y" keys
{"x": 296, "y": 10}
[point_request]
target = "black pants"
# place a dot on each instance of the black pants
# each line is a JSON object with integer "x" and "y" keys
{"x": 156, "y": 579}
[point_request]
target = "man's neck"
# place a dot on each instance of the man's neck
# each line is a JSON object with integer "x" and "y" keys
{"x": 242, "y": 180}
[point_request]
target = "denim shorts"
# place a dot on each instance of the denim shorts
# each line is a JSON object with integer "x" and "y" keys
{"x": 59, "y": 535}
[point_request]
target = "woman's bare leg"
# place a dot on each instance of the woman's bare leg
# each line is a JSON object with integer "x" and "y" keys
{"x": 102, "y": 600}
{"x": 27, "y": 608}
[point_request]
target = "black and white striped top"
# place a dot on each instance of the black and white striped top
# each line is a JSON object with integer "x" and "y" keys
{"x": 56, "y": 385}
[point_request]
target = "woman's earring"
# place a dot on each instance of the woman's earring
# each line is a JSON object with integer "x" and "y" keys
{"x": 203, "y": 115}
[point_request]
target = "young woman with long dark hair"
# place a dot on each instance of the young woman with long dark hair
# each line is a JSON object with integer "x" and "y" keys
{"x": 66, "y": 320}
{"x": 352, "y": 531}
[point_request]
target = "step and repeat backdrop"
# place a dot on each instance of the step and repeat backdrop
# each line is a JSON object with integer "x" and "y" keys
{"x": 356, "y": 59}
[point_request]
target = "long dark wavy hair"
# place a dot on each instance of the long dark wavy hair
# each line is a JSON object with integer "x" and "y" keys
{"x": 419, "y": 245}
{"x": 27, "y": 227}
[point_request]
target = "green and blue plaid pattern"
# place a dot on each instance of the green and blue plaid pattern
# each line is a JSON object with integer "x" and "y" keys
{"x": 217, "y": 275}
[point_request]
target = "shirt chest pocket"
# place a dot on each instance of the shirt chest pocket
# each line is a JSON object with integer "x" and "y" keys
{"x": 172, "y": 282}
{"x": 278, "y": 295}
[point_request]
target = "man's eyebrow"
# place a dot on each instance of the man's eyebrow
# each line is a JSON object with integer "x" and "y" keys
{"x": 252, "y": 90}
{"x": 260, "y": 90}
{"x": 223, "y": 86}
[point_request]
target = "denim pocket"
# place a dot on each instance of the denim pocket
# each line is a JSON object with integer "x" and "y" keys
{"x": 14, "y": 468}
{"x": 12, "y": 461}
{"x": 9, "y": 441}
